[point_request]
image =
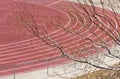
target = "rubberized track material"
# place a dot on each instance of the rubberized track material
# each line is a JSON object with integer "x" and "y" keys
{"x": 22, "y": 52}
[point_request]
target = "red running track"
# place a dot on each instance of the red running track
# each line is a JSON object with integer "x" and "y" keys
{"x": 23, "y": 52}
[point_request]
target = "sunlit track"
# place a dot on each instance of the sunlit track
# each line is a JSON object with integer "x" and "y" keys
{"x": 60, "y": 37}
{"x": 33, "y": 41}
{"x": 64, "y": 41}
{"x": 61, "y": 41}
{"x": 60, "y": 32}
{"x": 37, "y": 57}
{"x": 52, "y": 33}
{"x": 45, "y": 50}
{"x": 42, "y": 46}
{"x": 55, "y": 36}
{"x": 33, "y": 59}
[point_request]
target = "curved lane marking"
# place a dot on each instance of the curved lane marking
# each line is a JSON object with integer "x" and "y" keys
{"x": 54, "y": 3}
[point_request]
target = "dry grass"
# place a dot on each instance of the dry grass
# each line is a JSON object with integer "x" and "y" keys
{"x": 101, "y": 74}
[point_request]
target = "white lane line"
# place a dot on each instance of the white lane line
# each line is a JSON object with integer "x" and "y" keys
{"x": 54, "y": 3}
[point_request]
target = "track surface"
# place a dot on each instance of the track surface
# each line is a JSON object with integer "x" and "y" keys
{"x": 21, "y": 51}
